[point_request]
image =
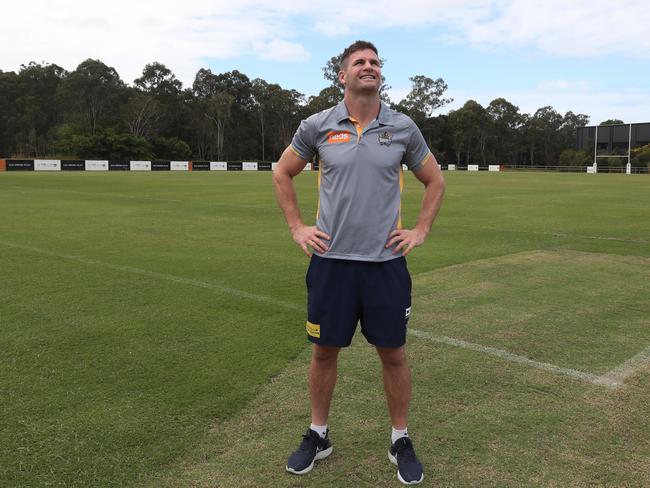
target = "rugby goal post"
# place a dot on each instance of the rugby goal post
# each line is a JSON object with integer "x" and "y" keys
{"x": 629, "y": 149}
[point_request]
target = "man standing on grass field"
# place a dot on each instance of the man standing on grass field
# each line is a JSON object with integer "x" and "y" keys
{"x": 358, "y": 270}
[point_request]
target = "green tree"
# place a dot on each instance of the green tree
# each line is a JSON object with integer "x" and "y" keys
{"x": 612, "y": 122}
{"x": 326, "y": 98}
{"x": 425, "y": 96}
{"x": 506, "y": 135}
{"x": 170, "y": 148}
{"x": 103, "y": 144}
{"x": 543, "y": 135}
{"x": 574, "y": 157}
{"x": 217, "y": 109}
{"x": 92, "y": 94}
{"x": 140, "y": 113}
{"x": 568, "y": 129}
{"x": 162, "y": 108}
{"x": 158, "y": 80}
{"x": 34, "y": 116}
{"x": 470, "y": 127}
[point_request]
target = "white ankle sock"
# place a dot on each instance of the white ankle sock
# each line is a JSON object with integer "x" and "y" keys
{"x": 321, "y": 430}
{"x": 397, "y": 433}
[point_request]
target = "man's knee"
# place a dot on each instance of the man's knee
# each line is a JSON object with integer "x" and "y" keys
{"x": 324, "y": 354}
{"x": 392, "y": 357}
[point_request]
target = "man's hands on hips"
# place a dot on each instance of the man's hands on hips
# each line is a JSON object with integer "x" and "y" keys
{"x": 310, "y": 236}
{"x": 405, "y": 240}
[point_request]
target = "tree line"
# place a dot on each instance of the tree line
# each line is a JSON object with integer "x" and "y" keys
{"x": 91, "y": 113}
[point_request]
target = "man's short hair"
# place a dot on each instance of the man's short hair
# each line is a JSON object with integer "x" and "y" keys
{"x": 354, "y": 47}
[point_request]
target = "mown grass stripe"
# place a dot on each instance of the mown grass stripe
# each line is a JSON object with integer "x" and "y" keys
{"x": 612, "y": 379}
{"x": 492, "y": 351}
{"x": 163, "y": 276}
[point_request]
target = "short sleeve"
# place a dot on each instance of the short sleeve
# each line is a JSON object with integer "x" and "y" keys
{"x": 304, "y": 140}
{"x": 417, "y": 150}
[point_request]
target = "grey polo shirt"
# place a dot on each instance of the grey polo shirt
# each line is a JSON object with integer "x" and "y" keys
{"x": 360, "y": 177}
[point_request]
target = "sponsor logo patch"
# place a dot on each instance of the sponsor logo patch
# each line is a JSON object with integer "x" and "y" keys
{"x": 337, "y": 137}
{"x": 407, "y": 313}
{"x": 313, "y": 330}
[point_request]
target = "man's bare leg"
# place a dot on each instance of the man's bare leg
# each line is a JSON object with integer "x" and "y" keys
{"x": 322, "y": 379}
{"x": 397, "y": 383}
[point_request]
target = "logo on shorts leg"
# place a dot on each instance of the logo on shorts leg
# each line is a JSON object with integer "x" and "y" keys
{"x": 407, "y": 313}
{"x": 313, "y": 330}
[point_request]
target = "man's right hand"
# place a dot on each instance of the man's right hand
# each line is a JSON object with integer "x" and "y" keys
{"x": 310, "y": 236}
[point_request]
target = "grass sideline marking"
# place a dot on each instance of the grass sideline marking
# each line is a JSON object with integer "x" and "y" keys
{"x": 612, "y": 379}
{"x": 623, "y": 371}
{"x": 500, "y": 353}
{"x": 162, "y": 276}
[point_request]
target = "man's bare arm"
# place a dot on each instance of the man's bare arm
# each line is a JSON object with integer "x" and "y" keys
{"x": 289, "y": 165}
{"x": 431, "y": 177}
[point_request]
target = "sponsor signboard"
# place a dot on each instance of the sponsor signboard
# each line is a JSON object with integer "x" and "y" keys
{"x": 140, "y": 166}
{"x": 200, "y": 165}
{"x": 3, "y": 165}
{"x": 261, "y": 166}
{"x": 308, "y": 167}
{"x": 218, "y": 166}
{"x": 47, "y": 165}
{"x": 96, "y": 165}
{"x": 179, "y": 165}
{"x": 273, "y": 166}
{"x": 234, "y": 166}
{"x": 20, "y": 165}
{"x": 249, "y": 166}
{"x": 159, "y": 165}
{"x": 472, "y": 167}
{"x": 404, "y": 167}
{"x": 591, "y": 170}
{"x": 73, "y": 165}
{"x": 494, "y": 167}
{"x": 451, "y": 167}
{"x": 116, "y": 165}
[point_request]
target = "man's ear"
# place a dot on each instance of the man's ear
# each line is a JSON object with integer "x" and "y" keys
{"x": 342, "y": 77}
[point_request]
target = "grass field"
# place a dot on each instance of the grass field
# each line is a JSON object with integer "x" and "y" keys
{"x": 152, "y": 334}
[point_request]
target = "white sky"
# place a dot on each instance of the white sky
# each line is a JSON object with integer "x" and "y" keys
{"x": 587, "y": 56}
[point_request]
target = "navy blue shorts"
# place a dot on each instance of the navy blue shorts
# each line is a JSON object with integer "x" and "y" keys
{"x": 342, "y": 293}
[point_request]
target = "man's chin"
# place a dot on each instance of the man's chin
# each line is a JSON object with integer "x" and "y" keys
{"x": 369, "y": 89}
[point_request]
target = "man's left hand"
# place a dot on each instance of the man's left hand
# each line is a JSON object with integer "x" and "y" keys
{"x": 406, "y": 240}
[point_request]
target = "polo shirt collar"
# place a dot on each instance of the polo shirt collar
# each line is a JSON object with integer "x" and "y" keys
{"x": 385, "y": 113}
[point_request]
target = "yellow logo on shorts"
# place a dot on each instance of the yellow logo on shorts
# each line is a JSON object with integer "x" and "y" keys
{"x": 313, "y": 330}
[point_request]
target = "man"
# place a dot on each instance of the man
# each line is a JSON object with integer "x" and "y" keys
{"x": 358, "y": 271}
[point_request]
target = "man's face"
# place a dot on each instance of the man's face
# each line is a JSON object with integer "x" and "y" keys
{"x": 362, "y": 72}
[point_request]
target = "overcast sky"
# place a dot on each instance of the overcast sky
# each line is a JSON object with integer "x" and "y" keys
{"x": 588, "y": 56}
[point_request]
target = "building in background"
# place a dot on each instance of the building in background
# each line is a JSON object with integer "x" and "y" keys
{"x": 613, "y": 141}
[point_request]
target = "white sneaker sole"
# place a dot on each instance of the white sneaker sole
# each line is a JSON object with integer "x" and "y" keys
{"x": 393, "y": 459}
{"x": 319, "y": 455}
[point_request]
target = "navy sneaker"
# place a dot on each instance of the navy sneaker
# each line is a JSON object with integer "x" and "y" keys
{"x": 312, "y": 448}
{"x": 409, "y": 468}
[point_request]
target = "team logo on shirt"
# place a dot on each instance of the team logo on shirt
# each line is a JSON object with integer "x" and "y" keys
{"x": 385, "y": 138}
{"x": 338, "y": 136}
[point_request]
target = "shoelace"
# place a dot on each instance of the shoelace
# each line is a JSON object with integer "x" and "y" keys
{"x": 308, "y": 440}
{"x": 405, "y": 451}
